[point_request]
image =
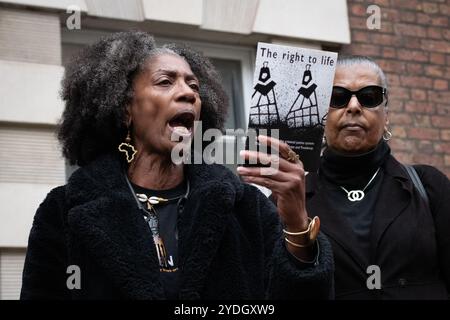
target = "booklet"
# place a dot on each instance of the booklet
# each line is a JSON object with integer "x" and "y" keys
{"x": 291, "y": 93}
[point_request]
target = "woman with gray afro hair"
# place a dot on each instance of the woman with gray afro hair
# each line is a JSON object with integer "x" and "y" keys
{"x": 132, "y": 223}
{"x": 98, "y": 84}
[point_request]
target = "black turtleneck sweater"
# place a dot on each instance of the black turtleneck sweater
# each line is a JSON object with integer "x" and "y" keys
{"x": 354, "y": 173}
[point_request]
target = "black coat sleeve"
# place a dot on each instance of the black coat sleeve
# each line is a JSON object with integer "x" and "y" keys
{"x": 437, "y": 186}
{"x": 286, "y": 278}
{"x": 44, "y": 274}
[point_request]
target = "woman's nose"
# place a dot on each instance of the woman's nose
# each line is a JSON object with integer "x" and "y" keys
{"x": 186, "y": 93}
{"x": 353, "y": 105}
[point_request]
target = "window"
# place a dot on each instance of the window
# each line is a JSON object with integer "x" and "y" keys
{"x": 230, "y": 71}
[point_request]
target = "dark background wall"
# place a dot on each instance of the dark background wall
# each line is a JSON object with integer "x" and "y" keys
{"x": 413, "y": 48}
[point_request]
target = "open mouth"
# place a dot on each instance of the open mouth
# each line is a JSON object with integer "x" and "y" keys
{"x": 183, "y": 123}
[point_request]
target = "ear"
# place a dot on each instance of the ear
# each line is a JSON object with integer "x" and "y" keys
{"x": 386, "y": 117}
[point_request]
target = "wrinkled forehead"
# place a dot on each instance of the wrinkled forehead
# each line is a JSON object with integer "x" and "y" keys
{"x": 356, "y": 76}
{"x": 167, "y": 61}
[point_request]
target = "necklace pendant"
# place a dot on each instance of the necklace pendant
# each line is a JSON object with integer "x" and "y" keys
{"x": 355, "y": 195}
{"x": 156, "y": 200}
{"x": 153, "y": 224}
{"x": 141, "y": 197}
{"x": 358, "y": 195}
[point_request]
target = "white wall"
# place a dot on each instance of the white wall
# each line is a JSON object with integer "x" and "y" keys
{"x": 31, "y": 165}
{"x": 30, "y": 36}
{"x": 319, "y": 20}
{"x": 116, "y": 9}
{"x": 186, "y": 12}
{"x": 31, "y": 71}
{"x": 19, "y": 204}
{"x": 30, "y": 92}
{"x": 51, "y": 4}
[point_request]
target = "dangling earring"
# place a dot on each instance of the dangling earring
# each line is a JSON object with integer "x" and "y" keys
{"x": 127, "y": 148}
{"x": 324, "y": 144}
{"x": 387, "y": 135}
{"x": 324, "y": 141}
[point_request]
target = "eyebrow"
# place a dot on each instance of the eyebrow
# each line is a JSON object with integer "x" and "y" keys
{"x": 173, "y": 73}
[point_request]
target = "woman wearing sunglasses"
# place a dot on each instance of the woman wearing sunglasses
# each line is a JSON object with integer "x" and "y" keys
{"x": 390, "y": 241}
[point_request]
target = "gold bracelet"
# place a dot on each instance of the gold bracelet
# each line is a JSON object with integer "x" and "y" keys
{"x": 300, "y": 233}
{"x": 297, "y": 244}
{"x": 311, "y": 233}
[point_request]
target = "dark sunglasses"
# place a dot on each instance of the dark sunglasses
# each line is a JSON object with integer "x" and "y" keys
{"x": 368, "y": 97}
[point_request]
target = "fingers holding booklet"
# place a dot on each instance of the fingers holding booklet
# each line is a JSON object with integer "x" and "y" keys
{"x": 285, "y": 177}
{"x": 289, "y": 103}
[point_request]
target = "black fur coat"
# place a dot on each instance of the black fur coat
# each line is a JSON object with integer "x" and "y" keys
{"x": 230, "y": 243}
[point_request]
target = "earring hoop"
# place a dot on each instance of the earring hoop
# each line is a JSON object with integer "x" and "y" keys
{"x": 127, "y": 148}
{"x": 387, "y": 135}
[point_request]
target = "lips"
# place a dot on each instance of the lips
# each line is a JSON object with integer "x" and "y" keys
{"x": 182, "y": 123}
{"x": 353, "y": 125}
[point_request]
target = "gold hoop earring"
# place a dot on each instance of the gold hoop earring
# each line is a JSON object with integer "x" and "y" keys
{"x": 387, "y": 135}
{"x": 127, "y": 148}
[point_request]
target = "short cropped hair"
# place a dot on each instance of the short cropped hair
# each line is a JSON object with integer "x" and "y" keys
{"x": 354, "y": 60}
